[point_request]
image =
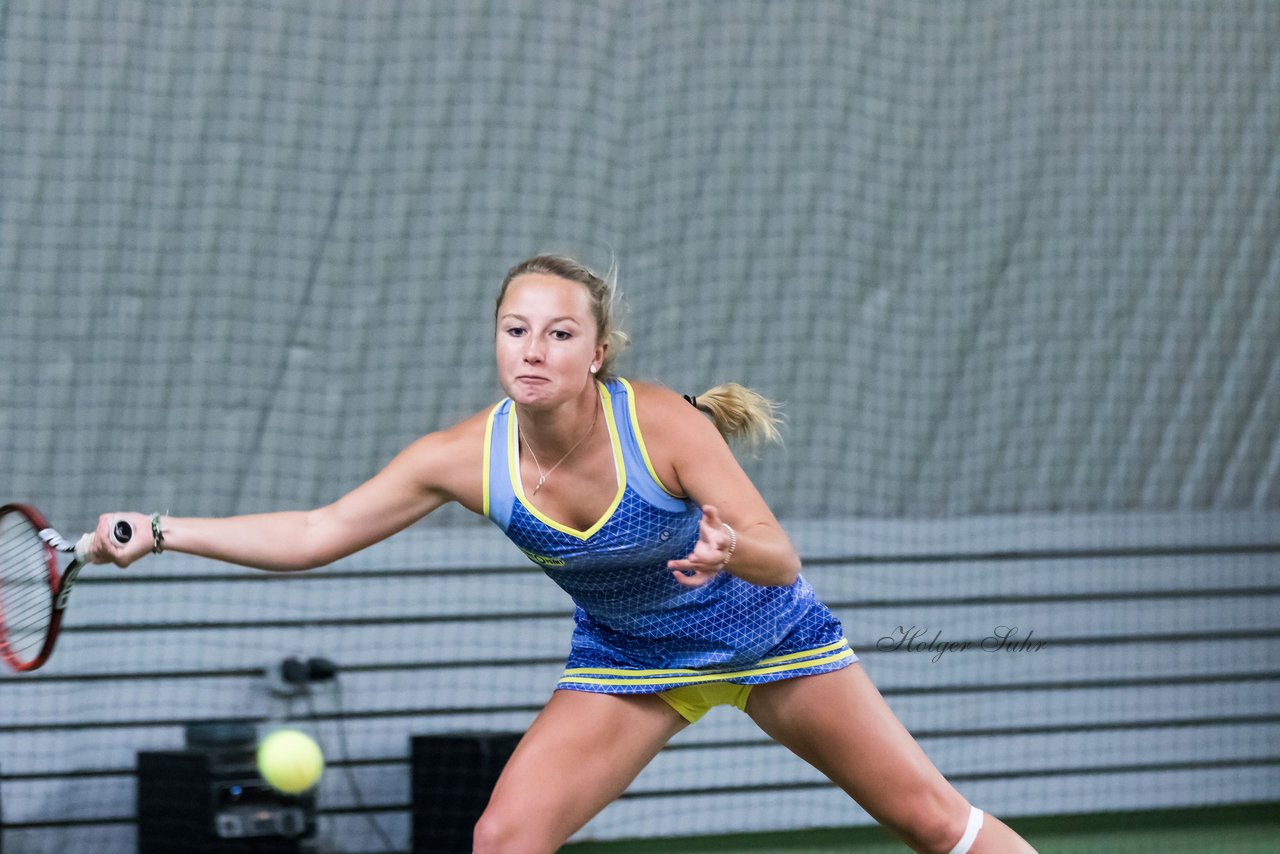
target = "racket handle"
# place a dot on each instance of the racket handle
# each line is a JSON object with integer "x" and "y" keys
{"x": 84, "y": 548}
{"x": 122, "y": 532}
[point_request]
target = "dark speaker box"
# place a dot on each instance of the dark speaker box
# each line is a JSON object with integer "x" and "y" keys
{"x": 205, "y": 802}
{"x": 452, "y": 776}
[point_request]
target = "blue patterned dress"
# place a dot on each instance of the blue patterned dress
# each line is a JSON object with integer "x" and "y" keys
{"x": 637, "y": 629}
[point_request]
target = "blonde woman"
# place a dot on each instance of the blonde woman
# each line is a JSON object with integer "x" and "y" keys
{"x": 688, "y": 591}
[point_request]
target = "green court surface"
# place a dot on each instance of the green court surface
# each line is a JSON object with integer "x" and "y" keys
{"x": 1252, "y": 829}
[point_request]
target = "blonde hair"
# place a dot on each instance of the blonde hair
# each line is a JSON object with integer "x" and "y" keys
{"x": 740, "y": 414}
{"x": 606, "y": 305}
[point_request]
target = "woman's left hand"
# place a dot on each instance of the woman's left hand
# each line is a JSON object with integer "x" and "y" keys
{"x": 707, "y": 559}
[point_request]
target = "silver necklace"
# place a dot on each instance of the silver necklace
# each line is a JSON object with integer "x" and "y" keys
{"x": 542, "y": 476}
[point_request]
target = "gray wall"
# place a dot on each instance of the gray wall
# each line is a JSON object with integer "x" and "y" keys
{"x": 1010, "y": 266}
{"x": 999, "y": 258}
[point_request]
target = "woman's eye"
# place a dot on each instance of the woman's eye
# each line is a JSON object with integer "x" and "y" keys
{"x": 560, "y": 335}
{"x": 515, "y": 331}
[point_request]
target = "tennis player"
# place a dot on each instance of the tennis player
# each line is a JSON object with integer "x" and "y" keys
{"x": 688, "y": 591}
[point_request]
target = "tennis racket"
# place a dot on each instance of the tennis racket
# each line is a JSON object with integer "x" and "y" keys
{"x": 32, "y": 593}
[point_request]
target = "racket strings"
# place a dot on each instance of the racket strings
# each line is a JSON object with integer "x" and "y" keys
{"x": 26, "y": 600}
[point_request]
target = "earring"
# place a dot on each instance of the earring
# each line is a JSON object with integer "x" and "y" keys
{"x": 595, "y": 368}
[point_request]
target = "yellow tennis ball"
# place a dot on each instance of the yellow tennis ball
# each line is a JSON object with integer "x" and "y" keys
{"x": 290, "y": 761}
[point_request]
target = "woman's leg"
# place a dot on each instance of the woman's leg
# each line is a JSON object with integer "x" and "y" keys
{"x": 580, "y": 753}
{"x": 839, "y": 723}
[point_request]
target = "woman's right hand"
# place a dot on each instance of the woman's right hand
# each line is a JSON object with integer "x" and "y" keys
{"x": 107, "y": 550}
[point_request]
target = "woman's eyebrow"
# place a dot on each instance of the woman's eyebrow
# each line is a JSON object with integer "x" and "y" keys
{"x": 514, "y": 316}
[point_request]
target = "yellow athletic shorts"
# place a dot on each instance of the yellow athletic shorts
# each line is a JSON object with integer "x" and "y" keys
{"x": 694, "y": 701}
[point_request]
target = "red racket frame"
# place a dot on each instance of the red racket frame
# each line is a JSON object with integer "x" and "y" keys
{"x": 55, "y": 582}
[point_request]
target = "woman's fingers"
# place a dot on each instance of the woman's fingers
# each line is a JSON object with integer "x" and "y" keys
{"x": 108, "y": 549}
{"x": 708, "y": 555}
{"x": 694, "y": 577}
{"x": 707, "y": 558}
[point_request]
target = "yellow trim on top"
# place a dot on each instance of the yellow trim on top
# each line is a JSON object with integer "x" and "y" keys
{"x": 620, "y": 470}
{"x": 488, "y": 452}
{"x": 709, "y": 677}
{"x": 635, "y": 429}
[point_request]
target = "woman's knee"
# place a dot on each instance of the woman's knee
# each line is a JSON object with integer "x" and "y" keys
{"x": 933, "y": 821}
{"x": 490, "y": 833}
{"x": 500, "y": 831}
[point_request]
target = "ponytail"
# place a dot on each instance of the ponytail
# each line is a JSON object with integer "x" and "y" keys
{"x": 740, "y": 414}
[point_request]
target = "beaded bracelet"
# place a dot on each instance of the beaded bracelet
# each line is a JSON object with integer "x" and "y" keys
{"x": 156, "y": 534}
{"x": 733, "y": 543}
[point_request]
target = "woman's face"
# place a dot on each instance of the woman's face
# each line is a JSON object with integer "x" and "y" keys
{"x": 546, "y": 340}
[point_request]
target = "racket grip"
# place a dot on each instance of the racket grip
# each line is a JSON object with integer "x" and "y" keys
{"x": 122, "y": 532}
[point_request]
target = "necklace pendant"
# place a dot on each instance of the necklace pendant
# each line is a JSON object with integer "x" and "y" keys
{"x": 541, "y": 481}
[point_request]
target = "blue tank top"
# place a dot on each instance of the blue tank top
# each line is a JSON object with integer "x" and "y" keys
{"x": 631, "y": 614}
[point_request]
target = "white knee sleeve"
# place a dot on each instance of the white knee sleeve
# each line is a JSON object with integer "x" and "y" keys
{"x": 970, "y": 832}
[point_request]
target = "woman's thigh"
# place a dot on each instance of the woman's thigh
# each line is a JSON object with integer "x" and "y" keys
{"x": 580, "y": 753}
{"x": 839, "y": 723}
